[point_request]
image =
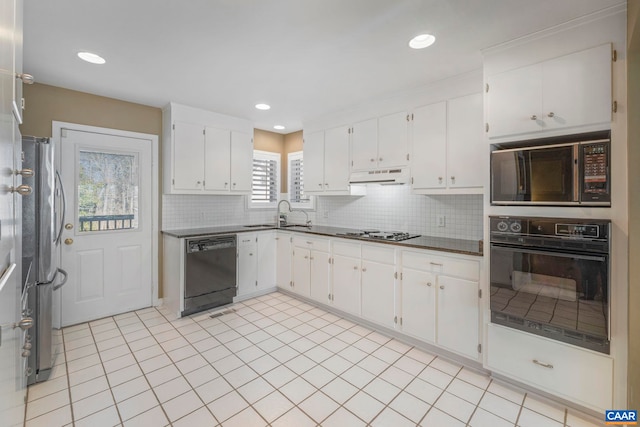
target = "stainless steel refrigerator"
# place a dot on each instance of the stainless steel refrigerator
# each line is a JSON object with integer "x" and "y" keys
{"x": 42, "y": 216}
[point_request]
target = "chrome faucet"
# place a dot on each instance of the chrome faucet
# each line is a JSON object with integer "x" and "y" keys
{"x": 306, "y": 215}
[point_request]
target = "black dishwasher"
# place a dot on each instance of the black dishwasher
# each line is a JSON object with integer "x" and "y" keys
{"x": 210, "y": 273}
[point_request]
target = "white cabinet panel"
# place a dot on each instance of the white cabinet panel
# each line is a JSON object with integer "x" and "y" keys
{"x": 428, "y": 164}
{"x": 216, "y": 158}
{"x": 319, "y": 276}
{"x": 457, "y": 319}
{"x": 364, "y": 145}
{"x": 188, "y": 162}
{"x": 346, "y": 284}
{"x": 247, "y": 269}
{"x": 241, "y": 162}
{"x": 313, "y": 152}
{"x": 283, "y": 268}
{"x": 581, "y": 376}
{"x": 336, "y": 159}
{"x": 419, "y": 304}
{"x": 301, "y": 272}
{"x": 393, "y": 140}
{"x": 378, "y": 290}
{"x": 267, "y": 259}
{"x": 465, "y": 143}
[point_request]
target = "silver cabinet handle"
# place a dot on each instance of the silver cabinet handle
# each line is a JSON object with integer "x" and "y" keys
{"x": 23, "y": 190}
{"x": 234, "y": 184}
{"x": 250, "y": 253}
{"x": 26, "y": 78}
{"x": 373, "y": 160}
{"x": 355, "y": 267}
{"x": 226, "y": 183}
{"x": 364, "y": 269}
{"x": 439, "y": 180}
{"x": 320, "y": 185}
{"x": 24, "y": 323}
{"x": 198, "y": 182}
{"x": 309, "y": 243}
{"x": 544, "y": 365}
{"x": 311, "y": 257}
{"x": 380, "y": 159}
{"x": 435, "y": 263}
{"x": 453, "y": 179}
{"x": 27, "y": 173}
{"x": 428, "y": 283}
{"x": 534, "y": 117}
{"x": 441, "y": 286}
{"x": 551, "y": 114}
{"x": 306, "y": 257}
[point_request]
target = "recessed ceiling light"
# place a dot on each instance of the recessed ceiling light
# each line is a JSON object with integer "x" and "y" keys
{"x": 91, "y": 57}
{"x": 263, "y": 106}
{"x": 279, "y": 127}
{"x": 421, "y": 41}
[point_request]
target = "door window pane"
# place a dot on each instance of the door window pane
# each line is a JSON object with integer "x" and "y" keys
{"x": 108, "y": 188}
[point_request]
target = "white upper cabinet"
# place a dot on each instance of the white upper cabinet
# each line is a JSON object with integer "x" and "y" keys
{"x": 380, "y": 143}
{"x": 326, "y": 161}
{"x": 571, "y": 91}
{"x": 447, "y": 143}
{"x": 205, "y": 152}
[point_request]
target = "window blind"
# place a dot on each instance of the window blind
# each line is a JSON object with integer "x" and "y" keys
{"x": 265, "y": 180}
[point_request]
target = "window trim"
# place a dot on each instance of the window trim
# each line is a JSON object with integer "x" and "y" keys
{"x": 294, "y": 155}
{"x": 265, "y": 155}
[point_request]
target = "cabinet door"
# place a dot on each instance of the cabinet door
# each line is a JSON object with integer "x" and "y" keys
{"x": 319, "y": 279}
{"x": 419, "y": 304}
{"x": 364, "y": 145}
{"x": 465, "y": 143}
{"x": 313, "y": 152}
{"x": 241, "y": 162}
{"x": 217, "y": 152}
{"x": 515, "y": 102}
{"x": 345, "y": 284}
{"x": 393, "y": 143}
{"x": 577, "y": 88}
{"x": 458, "y": 315}
{"x": 188, "y": 156}
{"x": 429, "y": 146}
{"x": 378, "y": 291}
{"x": 283, "y": 267}
{"x": 301, "y": 271}
{"x": 247, "y": 269}
{"x": 267, "y": 260}
{"x": 336, "y": 159}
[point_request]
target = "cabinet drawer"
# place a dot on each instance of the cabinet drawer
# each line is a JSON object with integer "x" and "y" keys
{"x": 378, "y": 253}
{"x": 426, "y": 261}
{"x": 314, "y": 243}
{"x": 582, "y": 376}
{"x": 340, "y": 247}
{"x": 246, "y": 239}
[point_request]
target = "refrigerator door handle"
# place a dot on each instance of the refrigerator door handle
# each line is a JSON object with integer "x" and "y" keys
{"x": 64, "y": 209}
{"x": 64, "y": 279}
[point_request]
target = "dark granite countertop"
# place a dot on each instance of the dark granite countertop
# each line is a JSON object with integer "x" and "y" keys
{"x": 459, "y": 246}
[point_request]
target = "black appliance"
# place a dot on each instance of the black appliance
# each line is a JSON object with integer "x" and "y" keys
{"x": 210, "y": 273}
{"x": 550, "y": 277}
{"x": 555, "y": 171}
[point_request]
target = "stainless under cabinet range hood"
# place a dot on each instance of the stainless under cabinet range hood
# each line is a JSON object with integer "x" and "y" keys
{"x": 383, "y": 176}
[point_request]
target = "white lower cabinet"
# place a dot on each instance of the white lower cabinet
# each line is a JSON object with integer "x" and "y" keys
{"x": 378, "y": 285}
{"x": 346, "y": 275}
{"x": 311, "y": 268}
{"x": 256, "y": 262}
{"x": 581, "y": 376}
{"x": 438, "y": 307}
{"x": 283, "y": 260}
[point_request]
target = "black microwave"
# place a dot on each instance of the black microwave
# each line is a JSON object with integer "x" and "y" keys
{"x": 570, "y": 173}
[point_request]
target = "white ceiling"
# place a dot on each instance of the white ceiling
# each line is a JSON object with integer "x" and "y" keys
{"x": 306, "y": 58}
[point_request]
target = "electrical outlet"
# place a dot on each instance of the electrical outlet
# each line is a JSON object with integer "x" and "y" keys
{"x": 442, "y": 221}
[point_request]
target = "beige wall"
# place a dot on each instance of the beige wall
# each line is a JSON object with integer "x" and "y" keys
{"x": 633, "y": 99}
{"x": 277, "y": 143}
{"x": 45, "y": 104}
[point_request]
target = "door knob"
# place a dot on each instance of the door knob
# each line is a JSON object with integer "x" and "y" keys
{"x": 26, "y": 78}
{"x": 24, "y": 323}
{"x": 68, "y": 226}
{"x": 27, "y": 173}
{"x": 23, "y": 190}
{"x": 68, "y": 241}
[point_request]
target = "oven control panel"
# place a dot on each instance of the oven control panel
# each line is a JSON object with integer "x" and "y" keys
{"x": 578, "y": 230}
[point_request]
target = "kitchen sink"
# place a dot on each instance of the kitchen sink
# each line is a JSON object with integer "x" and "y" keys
{"x": 259, "y": 225}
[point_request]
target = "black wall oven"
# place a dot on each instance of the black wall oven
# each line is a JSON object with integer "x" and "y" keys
{"x": 565, "y": 172}
{"x": 550, "y": 277}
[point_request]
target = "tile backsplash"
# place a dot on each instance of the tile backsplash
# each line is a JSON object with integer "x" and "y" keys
{"x": 387, "y": 208}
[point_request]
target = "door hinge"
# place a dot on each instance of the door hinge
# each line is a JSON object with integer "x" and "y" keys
{"x": 614, "y": 106}
{"x": 479, "y": 293}
{"x": 401, "y": 321}
{"x": 256, "y": 283}
{"x": 173, "y": 126}
{"x": 329, "y": 297}
{"x": 479, "y": 348}
{"x": 614, "y": 55}
{"x": 411, "y": 180}
{"x": 486, "y": 127}
{"x": 204, "y": 131}
{"x": 351, "y": 162}
{"x": 395, "y": 320}
{"x": 173, "y": 181}
{"x": 401, "y": 279}
{"x": 395, "y": 275}
{"x": 486, "y": 87}
{"x": 407, "y": 117}
{"x": 407, "y": 156}
{"x": 411, "y": 116}
{"x": 290, "y": 239}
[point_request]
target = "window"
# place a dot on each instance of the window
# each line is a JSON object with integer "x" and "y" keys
{"x": 297, "y": 197}
{"x": 266, "y": 180}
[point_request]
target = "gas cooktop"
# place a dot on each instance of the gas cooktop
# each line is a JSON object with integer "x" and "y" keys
{"x": 392, "y": 236}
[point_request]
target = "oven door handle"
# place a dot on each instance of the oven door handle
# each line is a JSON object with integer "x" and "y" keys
{"x": 549, "y": 253}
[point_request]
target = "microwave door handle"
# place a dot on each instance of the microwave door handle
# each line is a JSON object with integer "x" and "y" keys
{"x": 576, "y": 172}
{"x": 549, "y": 253}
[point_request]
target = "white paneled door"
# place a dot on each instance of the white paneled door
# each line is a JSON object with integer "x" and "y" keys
{"x": 107, "y": 236}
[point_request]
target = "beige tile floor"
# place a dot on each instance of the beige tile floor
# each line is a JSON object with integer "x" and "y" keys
{"x": 274, "y": 361}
